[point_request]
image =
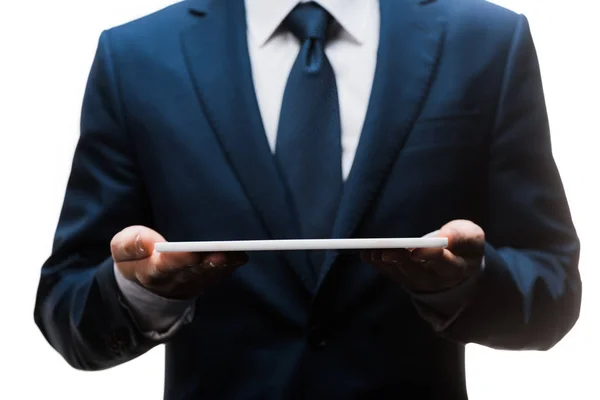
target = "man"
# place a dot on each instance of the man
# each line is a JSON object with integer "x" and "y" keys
{"x": 235, "y": 120}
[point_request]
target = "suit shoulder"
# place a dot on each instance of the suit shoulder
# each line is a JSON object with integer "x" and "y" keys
{"x": 482, "y": 8}
{"x": 155, "y": 25}
{"x": 481, "y": 17}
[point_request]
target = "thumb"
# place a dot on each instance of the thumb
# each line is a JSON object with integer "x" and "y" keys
{"x": 427, "y": 254}
{"x": 465, "y": 238}
{"x": 134, "y": 243}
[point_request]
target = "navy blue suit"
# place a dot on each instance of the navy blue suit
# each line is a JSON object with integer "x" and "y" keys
{"x": 172, "y": 138}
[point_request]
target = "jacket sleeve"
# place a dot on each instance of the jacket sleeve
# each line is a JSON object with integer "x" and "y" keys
{"x": 79, "y": 308}
{"x": 529, "y": 294}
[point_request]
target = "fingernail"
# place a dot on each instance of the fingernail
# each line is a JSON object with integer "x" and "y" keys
{"x": 432, "y": 234}
{"x": 139, "y": 245}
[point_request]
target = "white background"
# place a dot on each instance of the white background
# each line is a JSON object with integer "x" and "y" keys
{"x": 46, "y": 48}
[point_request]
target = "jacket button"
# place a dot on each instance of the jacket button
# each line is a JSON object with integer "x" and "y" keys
{"x": 316, "y": 336}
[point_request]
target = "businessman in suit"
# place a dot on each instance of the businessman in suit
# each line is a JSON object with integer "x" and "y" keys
{"x": 257, "y": 119}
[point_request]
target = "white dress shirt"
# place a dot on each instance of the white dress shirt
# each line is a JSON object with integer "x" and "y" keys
{"x": 352, "y": 52}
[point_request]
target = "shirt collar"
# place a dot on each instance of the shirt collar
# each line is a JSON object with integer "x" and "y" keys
{"x": 265, "y": 16}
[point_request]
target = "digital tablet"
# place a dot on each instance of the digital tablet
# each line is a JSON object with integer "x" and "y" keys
{"x": 302, "y": 244}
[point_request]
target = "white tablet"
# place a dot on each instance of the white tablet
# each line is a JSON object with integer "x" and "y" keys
{"x": 302, "y": 244}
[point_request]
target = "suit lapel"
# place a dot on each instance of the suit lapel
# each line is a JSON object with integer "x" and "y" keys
{"x": 217, "y": 57}
{"x": 409, "y": 49}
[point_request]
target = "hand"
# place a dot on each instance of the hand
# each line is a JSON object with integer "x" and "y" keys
{"x": 433, "y": 270}
{"x": 172, "y": 275}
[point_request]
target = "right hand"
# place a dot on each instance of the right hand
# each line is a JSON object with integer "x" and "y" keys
{"x": 171, "y": 275}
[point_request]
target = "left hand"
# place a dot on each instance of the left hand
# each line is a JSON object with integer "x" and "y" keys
{"x": 433, "y": 270}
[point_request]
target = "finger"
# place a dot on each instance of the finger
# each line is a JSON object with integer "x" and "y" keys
{"x": 191, "y": 281}
{"x": 134, "y": 243}
{"x": 227, "y": 259}
{"x": 446, "y": 259}
{"x": 201, "y": 269}
{"x": 427, "y": 254}
{"x": 369, "y": 256}
{"x": 395, "y": 256}
{"x": 379, "y": 256}
{"x": 162, "y": 268}
{"x": 174, "y": 261}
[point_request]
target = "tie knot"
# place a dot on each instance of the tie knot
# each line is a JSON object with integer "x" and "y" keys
{"x": 308, "y": 21}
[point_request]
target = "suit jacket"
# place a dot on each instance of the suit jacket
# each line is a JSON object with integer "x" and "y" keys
{"x": 172, "y": 138}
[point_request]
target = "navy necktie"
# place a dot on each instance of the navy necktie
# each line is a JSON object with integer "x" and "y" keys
{"x": 308, "y": 149}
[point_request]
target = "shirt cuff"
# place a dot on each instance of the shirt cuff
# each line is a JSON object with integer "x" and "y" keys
{"x": 441, "y": 309}
{"x": 156, "y": 317}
